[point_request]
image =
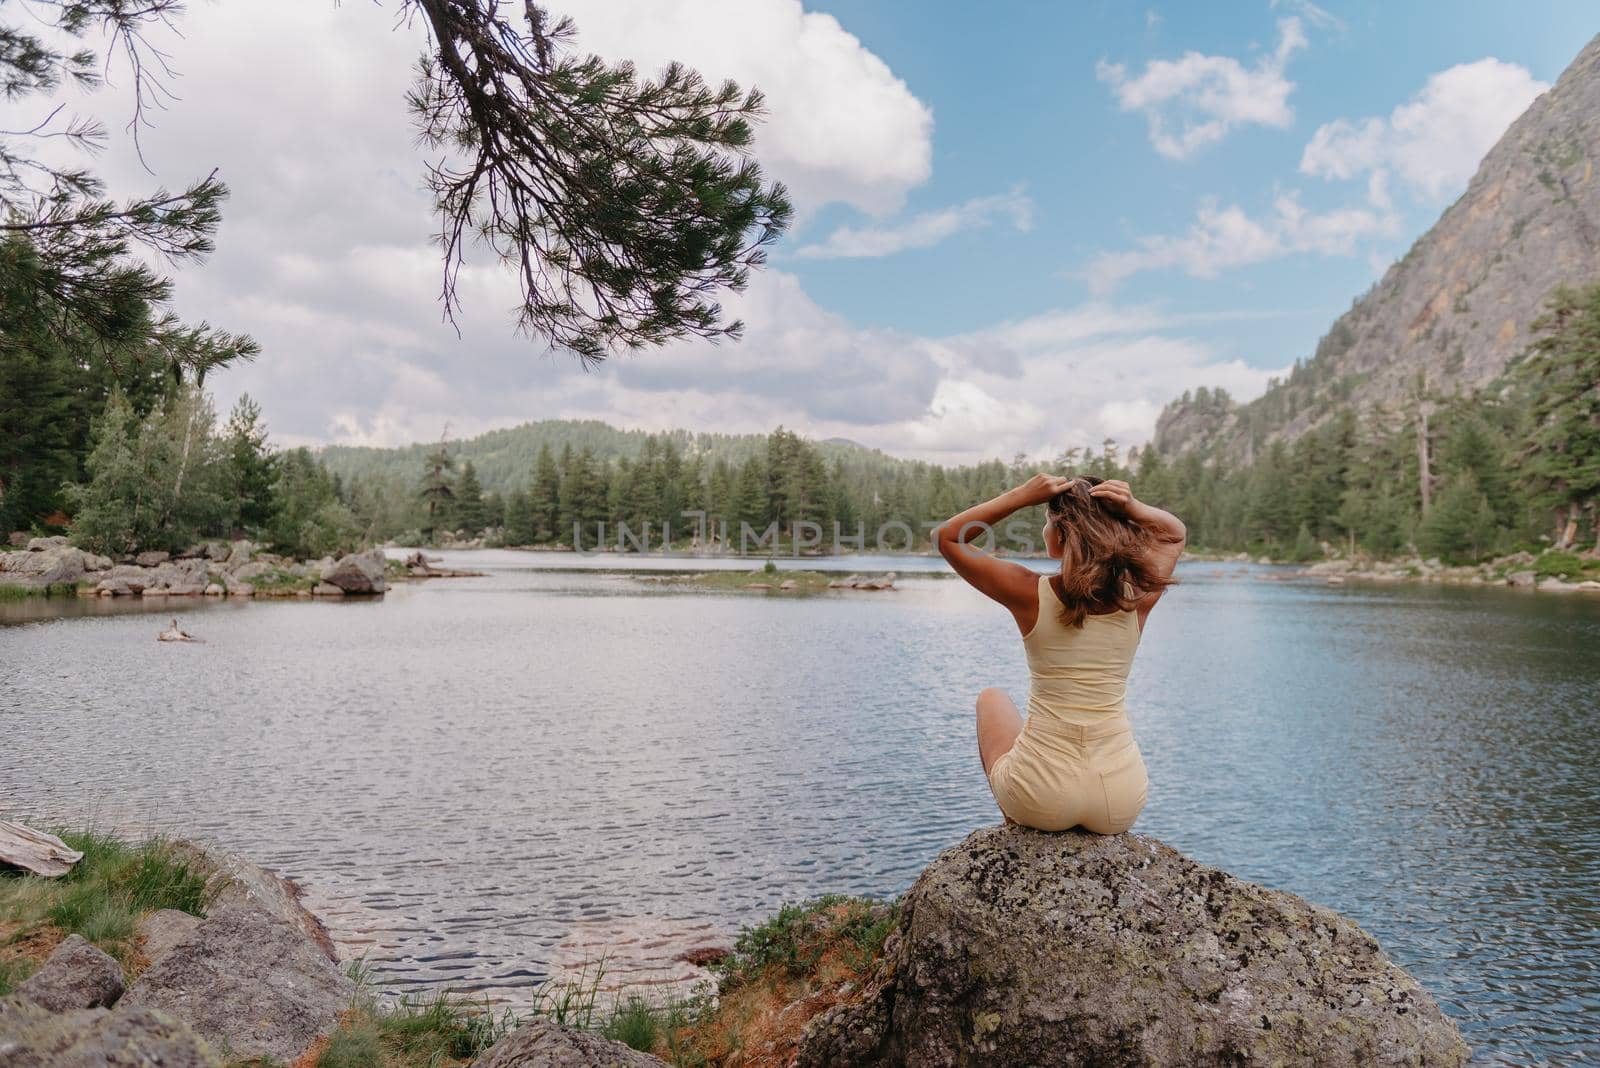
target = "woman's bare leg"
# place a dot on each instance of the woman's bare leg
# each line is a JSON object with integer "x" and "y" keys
{"x": 999, "y": 723}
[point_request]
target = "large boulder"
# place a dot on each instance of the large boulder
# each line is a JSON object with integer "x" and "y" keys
{"x": 152, "y": 558}
{"x": 125, "y": 580}
{"x": 357, "y": 572}
{"x": 250, "y": 569}
{"x": 44, "y": 563}
{"x": 1019, "y": 947}
{"x": 542, "y": 1043}
{"x": 249, "y": 981}
{"x": 239, "y": 553}
{"x": 187, "y": 577}
{"x": 32, "y": 1037}
{"x": 76, "y": 975}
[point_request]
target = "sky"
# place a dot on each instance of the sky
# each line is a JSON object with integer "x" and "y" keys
{"x": 1021, "y": 226}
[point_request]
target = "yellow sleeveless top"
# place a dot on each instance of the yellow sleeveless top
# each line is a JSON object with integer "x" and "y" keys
{"x": 1078, "y": 675}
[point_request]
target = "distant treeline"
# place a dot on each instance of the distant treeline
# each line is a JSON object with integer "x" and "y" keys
{"x": 1513, "y": 466}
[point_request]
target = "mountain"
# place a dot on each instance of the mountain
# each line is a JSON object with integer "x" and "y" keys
{"x": 1450, "y": 315}
{"x": 504, "y": 459}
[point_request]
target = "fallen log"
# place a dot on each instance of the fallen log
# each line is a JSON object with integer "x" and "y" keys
{"x": 31, "y": 850}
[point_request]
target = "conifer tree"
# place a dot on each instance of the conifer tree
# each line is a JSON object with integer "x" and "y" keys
{"x": 438, "y": 493}
{"x": 251, "y": 464}
{"x": 545, "y": 495}
{"x": 467, "y": 507}
{"x": 1561, "y": 377}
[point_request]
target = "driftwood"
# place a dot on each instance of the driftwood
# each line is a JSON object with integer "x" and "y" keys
{"x": 35, "y": 851}
{"x": 175, "y": 633}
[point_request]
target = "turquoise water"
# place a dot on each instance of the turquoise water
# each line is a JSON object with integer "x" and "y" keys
{"x": 482, "y": 781}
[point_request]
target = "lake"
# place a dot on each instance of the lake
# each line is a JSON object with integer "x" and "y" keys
{"x": 484, "y": 782}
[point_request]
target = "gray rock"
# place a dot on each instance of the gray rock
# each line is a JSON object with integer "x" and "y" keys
{"x": 239, "y": 552}
{"x": 215, "y": 589}
{"x": 45, "y": 566}
{"x": 32, "y": 1037}
{"x": 248, "y": 981}
{"x": 95, "y": 562}
{"x": 1019, "y": 947}
{"x": 54, "y": 541}
{"x": 126, "y": 579}
{"x": 542, "y": 1043}
{"x": 1520, "y": 578}
{"x": 251, "y": 570}
{"x": 326, "y": 589}
{"x": 159, "y": 931}
{"x": 357, "y": 572}
{"x": 152, "y": 558}
{"x": 187, "y": 577}
{"x": 77, "y": 975}
{"x": 217, "y": 550}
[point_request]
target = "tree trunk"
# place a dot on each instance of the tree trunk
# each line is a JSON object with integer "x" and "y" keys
{"x": 1424, "y": 459}
{"x": 1569, "y": 529}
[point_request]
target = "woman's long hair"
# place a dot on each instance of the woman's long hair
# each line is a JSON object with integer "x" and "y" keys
{"x": 1105, "y": 558}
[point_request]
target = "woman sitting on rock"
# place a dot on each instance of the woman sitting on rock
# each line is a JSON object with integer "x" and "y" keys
{"x": 1074, "y": 763}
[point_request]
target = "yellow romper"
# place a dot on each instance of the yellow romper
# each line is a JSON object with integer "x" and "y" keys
{"x": 1075, "y": 762}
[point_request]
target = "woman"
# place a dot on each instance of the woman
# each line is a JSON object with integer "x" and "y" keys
{"x": 1074, "y": 763}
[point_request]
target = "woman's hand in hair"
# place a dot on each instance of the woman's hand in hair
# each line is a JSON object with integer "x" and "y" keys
{"x": 1041, "y": 487}
{"x": 1115, "y": 495}
{"x": 1118, "y": 498}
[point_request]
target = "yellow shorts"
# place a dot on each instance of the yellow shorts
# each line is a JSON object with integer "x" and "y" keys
{"x": 1061, "y": 775}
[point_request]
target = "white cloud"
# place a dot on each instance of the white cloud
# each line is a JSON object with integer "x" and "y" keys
{"x": 841, "y": 126}
{"x": 1434, "y": 141}
{"x": 1318, "y": 17}
{"x": 924, "y": 230}
{"x": 324, "y": 257}
{"x": 1226, "y": 237}
{"x": 1196, "y": 100}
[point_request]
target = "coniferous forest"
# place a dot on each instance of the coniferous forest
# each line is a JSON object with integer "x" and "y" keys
{"x": 142, "y": 461}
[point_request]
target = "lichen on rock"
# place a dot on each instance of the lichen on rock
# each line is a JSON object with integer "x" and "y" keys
{"x": 1019, "y": 947}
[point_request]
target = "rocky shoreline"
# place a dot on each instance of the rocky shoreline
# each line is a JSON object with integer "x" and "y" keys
{"x": 1516, "y": 572}
{"x": 240, "y": 568}
{"x": 1013, "y": 948}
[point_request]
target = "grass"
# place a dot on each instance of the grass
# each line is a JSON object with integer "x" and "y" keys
{"x": 13, "y": 592}
{"x": 780, "y": 975}
{"x": 101, "y": 898}
{"x": 1560, "y": 565}
{"x": 280, "y": 583}
{"x": 440, "y": 1030}
{"x": 805, "y": 581}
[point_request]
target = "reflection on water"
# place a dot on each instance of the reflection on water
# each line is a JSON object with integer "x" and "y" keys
{"x": 484, "y": 781}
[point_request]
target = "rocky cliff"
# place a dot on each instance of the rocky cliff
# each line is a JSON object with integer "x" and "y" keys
{"x": 1457, "y": 308}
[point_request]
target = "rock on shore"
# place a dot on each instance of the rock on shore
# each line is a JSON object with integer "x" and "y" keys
{"x": 238, "y": 569}
{"x": 1021, "y": 948}
{"x": 541, "y": 1043}
{"x": 254, "y": 978}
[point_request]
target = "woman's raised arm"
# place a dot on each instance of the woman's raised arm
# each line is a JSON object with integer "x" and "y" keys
{"x": 1010, "y": 583}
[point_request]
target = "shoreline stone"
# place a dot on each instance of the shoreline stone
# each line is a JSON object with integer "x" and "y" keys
{"x": 1021, "y": 948}
{"x": 76, "y": 975}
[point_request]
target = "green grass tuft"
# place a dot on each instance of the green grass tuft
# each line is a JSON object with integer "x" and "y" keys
{"x": 1561, "y": 565}
{"x": 104, "y": 894}
{"x": 796, "y": 937}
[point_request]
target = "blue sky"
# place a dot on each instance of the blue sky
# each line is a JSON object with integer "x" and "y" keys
{"x": 1022, "y": 226}
{"x": 1016, "y": 103}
